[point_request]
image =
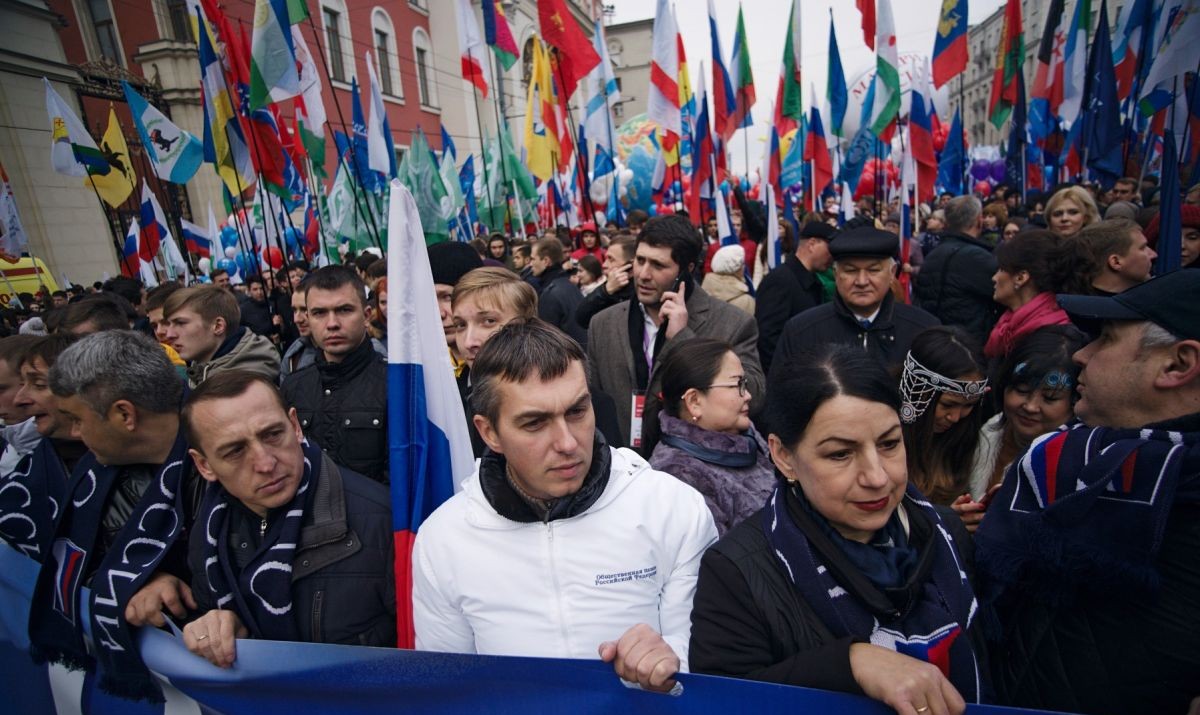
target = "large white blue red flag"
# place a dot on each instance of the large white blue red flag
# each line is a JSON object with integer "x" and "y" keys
{"x": 429, "y": 448}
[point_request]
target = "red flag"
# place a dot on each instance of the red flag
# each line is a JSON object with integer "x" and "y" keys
{"x": 867, "y": 8}
{"x": 576, "y": 55}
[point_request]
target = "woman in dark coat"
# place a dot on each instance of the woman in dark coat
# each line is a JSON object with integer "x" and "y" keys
{"x": 706, "y": 438}
{"x": 848, "y": 579}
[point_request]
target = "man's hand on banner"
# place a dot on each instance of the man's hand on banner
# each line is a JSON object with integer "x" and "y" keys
{"x": 642, "y": 656}
{"x": 213, "y": 637}
{"x": 161, "y": 591}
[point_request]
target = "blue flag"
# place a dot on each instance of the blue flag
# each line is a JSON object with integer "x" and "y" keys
{"x": 836, "y": 87}
{"x": 448, "y": 145}
{"x": 466, "y": 180}
{"x": 861, "y": 149}
{"x": 1170, "y": 227}
{"x": 950, "y": 164}
{"x": 1103, "y": 135}
{"x": 360, "y": 161}
{"x": 1014, "y": 158}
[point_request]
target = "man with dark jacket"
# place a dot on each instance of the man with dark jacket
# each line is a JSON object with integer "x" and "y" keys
{"x": 863, "y": 311}
{"x": 256, "y": 312}
{"x": 792, "y": 288}
{"x": 341, "y": 400}
{"x": 955, "y": 282}
{"x": 618, "y": 281}
{"x": 558, "y": 297}
{"x": 1088, "y": 552}
{"x": 277, "y": 500}
{"x": 204, "y": 326}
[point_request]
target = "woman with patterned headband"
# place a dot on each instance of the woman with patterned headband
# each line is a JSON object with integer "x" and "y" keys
{"x": 941, "y": 386}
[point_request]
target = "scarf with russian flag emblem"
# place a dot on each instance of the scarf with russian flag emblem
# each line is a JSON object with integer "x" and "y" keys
{"x": 1083, "y": 511}
{"x": 932, "y": 627}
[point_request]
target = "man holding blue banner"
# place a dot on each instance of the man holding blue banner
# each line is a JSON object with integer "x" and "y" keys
{"x": 288, "y": 546}
{"x": 558, "y": 545}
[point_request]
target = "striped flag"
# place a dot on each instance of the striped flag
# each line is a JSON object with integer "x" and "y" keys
{"x": 14, "y": 240}
{"x": 429, "y": 449}
{"x": 886, "y": 108}
{"x": 175, "y": 154}
{"x": 310, "y": 107}
{"x": 470, "y": 44}
{"x": 196, "y": 239}
{"x": 498, "y": 35}
{"x": 602, "y": 96}
{"x": 789, "y": 100}
{"x": 741, "y": 76}
{"x": 72, "y": 149}
{"x": 663, "y": 107}
{"x": 950, "y": 45}
{"x": 816, "y": 151}
{"x": 723, "y": 99}
{"x": 1074, "y": 72}
{"x": 273, "y": 75}
{"x": 1010, "y": 58}
{"x": 155, "y": 239}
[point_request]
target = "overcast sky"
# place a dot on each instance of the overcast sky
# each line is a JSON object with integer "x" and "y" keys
{"x": 766, "y": 23}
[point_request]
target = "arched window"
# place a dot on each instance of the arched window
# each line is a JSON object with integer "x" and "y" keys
{"x": 337, "y": 41}
{"x": 423, "y": 60}
{"x": 387, "y": 60}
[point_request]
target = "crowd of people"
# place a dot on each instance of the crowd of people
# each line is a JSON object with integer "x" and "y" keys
{"x": 962, "y": 468}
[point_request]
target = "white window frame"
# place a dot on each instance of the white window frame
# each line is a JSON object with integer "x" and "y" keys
{"x": 347, "y": 49}
{"x": 382, "y": 22}
{"x": 420, "y": 40}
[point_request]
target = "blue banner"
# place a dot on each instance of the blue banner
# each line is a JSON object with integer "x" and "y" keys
{"x": 273, "y": 678}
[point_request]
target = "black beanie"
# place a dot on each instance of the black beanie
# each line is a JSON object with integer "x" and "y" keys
{"x": 451, "y": 260}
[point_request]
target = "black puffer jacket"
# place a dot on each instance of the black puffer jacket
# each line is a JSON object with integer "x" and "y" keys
{"x": 558, "y": 301}
{"x": 955, "y": 284}
{"x": 343, "y": 590}
{"x": 887, "y": 339}
{"x": 343, "y": 407}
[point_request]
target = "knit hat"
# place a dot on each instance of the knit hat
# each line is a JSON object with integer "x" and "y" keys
{"x": 451, "y": 260}
{"x": 730, "y": 260}
{"x": 1190, "y": 213}
{"x": 1121, "y": 209}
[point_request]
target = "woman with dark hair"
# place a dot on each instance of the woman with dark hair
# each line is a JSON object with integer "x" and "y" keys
{"x": 848, "y": 579}
{"x": 940, "y": 387}
{"x": 1033, "y": 266}
{"x": 1036, "y": 384}
{"x": 705, "y": 436}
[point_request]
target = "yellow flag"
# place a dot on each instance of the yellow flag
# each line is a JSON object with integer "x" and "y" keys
{"x": 541, "y": 136}
{"x": 117, "y": 184}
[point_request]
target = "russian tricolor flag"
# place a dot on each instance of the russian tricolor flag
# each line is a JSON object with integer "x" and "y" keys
{"x": 196, "y": 240}
{"x": 154, "y": 225}
{"x": 429, "y": 449}
{"x": 723, "y": 98}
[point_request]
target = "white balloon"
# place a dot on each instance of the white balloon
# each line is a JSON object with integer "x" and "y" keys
{"x": 231, "y": 252}
{"x": 205, "y": 265}
{"x": 601, "y": 189}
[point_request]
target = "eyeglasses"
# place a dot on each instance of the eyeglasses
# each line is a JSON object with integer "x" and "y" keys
{"x": 742, "y": 387}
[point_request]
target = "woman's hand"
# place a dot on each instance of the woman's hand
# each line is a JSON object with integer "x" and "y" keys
{"x": 970, "y": 511}
{"x": 907, "y": 685}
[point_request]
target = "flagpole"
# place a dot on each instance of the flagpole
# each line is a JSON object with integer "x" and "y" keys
{"x": 317, "y": 192}
{"x": 108, "y": 219}
{"x": 501, "y": 125}
{"x": 487, "y": 181}
{"x": 962, "y": 135}
{"x": 147, "y": 164}
{"x": 375, "y": 236}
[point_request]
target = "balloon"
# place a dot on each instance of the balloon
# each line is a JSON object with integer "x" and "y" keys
{"x": 641, "y": 169}
{"x": 601, "y": 189}
{"x": 229, "y": 236}
{"x": 228, "y": 265}
{"x": 652, "y": 210}
{"x": 231, "y": 252}
{"x": 983, "y": 188}
{"x": 205, "y": 265}
{"x": 980, "y": 169}
{"x": 274, "y": 257}
{"x": 291, "y": 236}
{"x": 866, "y": 186}
{"x": 998, "y": 171}
{"x": 247, "y": 263}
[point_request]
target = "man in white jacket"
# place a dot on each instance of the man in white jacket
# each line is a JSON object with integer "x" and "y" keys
{"x": 558, "y": 545}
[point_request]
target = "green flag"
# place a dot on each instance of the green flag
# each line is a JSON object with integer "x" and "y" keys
{"x": 424, "y": 180}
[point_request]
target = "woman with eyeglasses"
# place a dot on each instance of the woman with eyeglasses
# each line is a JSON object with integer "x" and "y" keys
{"x": 704, "y": 435}
{"x": 1012, "y": 227}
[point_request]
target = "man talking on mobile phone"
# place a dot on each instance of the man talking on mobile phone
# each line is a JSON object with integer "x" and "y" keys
{"x": 627, "y": 341}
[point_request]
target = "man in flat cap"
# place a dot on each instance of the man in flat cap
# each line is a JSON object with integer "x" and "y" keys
{"x": 863, "y": 311}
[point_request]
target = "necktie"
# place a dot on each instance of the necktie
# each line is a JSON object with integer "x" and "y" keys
{"x": 866, "y": 324}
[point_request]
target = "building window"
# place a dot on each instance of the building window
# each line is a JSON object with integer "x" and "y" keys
{"x": 385, "y": 70}
{"x": 179, "y": 20}
{"x": 421, "y": 5}
{"x": 422, "y": 54}
{"x": 105, "y": 29}
{"x": 333, "y": 44}
{"x": 386, "y": 56}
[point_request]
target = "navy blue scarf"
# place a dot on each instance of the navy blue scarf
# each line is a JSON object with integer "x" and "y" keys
{"x": 30, "y": 498}
{"x": 260, "y": 593}
{"x": 932, "y": 629}
{"x": 55, "y": 627}
{"x": 1083, "y": 512}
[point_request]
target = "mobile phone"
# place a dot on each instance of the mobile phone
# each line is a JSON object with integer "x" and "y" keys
{"x": 675, "y": 285}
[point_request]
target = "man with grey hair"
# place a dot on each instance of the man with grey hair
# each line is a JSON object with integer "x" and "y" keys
{"x": 1089, "y": 548}
{"x": 955, "y": 282}
{"x": 863, "y": 312}
{"x": 121, "y": 395}
{"x": 559, "y": 545}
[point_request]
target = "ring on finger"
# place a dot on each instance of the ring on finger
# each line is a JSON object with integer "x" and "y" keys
{"x": 200, "y": 638}
{"x": 923, "y": 708}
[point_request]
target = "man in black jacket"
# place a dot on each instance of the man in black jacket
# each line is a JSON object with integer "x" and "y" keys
{"x": 558, "y": 297}
{"x": 792, "y": 288}
{"x": 618, "y": 280}
{"x": 1093, "y": 571}
{"x": 341, "y": 400}
{"x": 257, "y": 314}
{"x": 863, "y": 311}
{"x": 955, "y": 282}
{"x": 334, "y": 536}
